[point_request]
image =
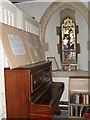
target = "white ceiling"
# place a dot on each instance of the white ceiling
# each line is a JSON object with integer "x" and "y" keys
{"x": 36, "y": 8}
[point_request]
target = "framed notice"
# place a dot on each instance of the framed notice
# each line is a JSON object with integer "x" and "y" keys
{"x": 54, "y": 63}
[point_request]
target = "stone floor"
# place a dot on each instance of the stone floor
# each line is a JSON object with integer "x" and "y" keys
{"x": 69, "y": 73}
{"x": 63, "y": 116}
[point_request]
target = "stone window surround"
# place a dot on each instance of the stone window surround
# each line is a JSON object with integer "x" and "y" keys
{"x": 79, "y": 6}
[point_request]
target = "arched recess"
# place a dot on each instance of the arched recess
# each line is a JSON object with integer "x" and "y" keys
{"x": 60, "y": 5}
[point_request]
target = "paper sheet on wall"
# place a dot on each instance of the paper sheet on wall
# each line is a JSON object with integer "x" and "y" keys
{"x": 16, "y": 45}
{"x": 35, "y": 48}
{"x": 37, "y": 41}
{"x": 32, "y": 40}
{"x": 29, "y": 40}
{"x": 36, "y": 55}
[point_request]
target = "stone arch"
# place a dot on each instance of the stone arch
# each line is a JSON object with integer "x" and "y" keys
{"x": 79, "y": 6}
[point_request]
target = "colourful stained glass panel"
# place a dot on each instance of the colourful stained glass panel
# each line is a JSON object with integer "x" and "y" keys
{"x": 68, "y": 41}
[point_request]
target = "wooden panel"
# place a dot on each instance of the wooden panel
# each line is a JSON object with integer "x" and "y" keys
{"x": 78, "y": 48}
{"x": 41, "y": 112}
{"x": 18, "y": 89}
{"x": 17, "y": 93}
{"x": 39, "y": 78}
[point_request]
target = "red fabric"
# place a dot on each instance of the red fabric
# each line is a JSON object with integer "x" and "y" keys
{"x": 87, "y": 115}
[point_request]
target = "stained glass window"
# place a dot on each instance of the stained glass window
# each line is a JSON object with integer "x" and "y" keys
{"x": 68, "y": 41}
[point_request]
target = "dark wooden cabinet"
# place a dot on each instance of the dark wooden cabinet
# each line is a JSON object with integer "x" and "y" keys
{"x": 27, "y": 91}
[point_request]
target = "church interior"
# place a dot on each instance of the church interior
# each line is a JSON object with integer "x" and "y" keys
{"x": 44, "y": 52}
